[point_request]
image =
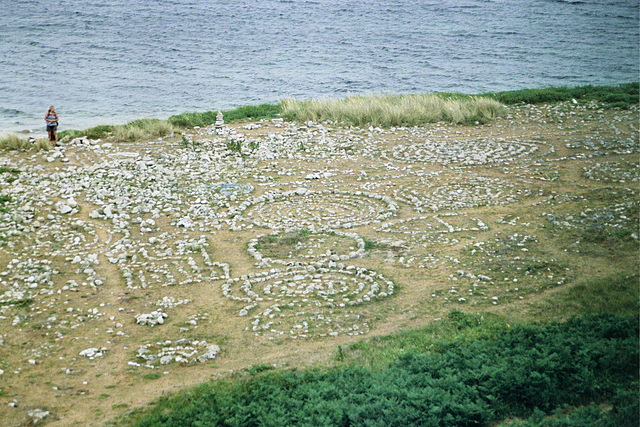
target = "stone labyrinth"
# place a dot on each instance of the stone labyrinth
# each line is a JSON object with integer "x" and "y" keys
{"x": 318, "y": 299}
{"x": 306, "y": 208}
{"x": 315, "y": 293}
{"x": 459, "y": 191}
{"x": 162, "y": 254}
{"x": 466, "y": 153}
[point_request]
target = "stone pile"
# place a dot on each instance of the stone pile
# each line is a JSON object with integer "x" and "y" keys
{"x": 154, "y": 318}
{"x": 183, "y": 351}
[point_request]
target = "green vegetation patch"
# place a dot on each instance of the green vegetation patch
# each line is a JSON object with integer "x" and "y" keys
{"x": 13, "y": 142}
{"x": 376, "y": 110}
{"x": 252, "y": 112}
{"x": 619, "y": 295}
{"x": 8, "y": 170}
{"x": 479, "y": 382}
{"x": 137, "y": 129}
{"x": 621, "y": 96}
{"x": 17, "y": 303}
{"x": 96, "y": 132}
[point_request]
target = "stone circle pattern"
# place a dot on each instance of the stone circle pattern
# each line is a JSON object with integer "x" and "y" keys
{"x": 319, "y": 209}
{"x": 319, "y": 299}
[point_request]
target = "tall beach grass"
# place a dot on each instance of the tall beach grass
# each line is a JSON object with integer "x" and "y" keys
{"x": 395, "y": 110}
{"x": 137, "y": 129}
{"x": 13, "y": 142}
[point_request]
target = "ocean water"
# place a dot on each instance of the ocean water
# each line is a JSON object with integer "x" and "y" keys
{"x": 110, "y": 62}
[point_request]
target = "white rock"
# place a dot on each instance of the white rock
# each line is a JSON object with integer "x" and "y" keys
{"x": 63, "y": 208}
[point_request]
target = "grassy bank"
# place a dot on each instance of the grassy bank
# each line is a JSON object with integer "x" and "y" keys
{"x": 622, "y": 96}
{"x": 466, "y": 369}
{"x": 376, "y": 110}
{"x": 516, "y": 372}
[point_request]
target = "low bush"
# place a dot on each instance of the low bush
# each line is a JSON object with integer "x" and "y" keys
{"x": 481, "y": 382}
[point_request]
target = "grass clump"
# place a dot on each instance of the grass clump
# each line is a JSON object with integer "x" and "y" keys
{"x": 395, "y": 110}
{"x": 13, "y": 142}
{"x": 137, "y": 129}
{"x": 141, "y": 129}
{"x": 96, "y": 132}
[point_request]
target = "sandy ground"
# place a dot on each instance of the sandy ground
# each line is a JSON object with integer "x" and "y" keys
{"x": 318, "y": 236}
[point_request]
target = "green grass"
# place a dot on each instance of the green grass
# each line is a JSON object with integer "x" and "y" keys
{"x": 17, "y": 303}
{"x": 253, "y": 112}
{"x": 281, "y": 245}
{"x": 13, "y": 142}
{"x": 152, "y": 376}
{"x": 619, "y": 295}
{"x": 621, "y": 96}
{"x": 467, "y": 368}
{"x": 137, "y": 129}
{"x": 9, "y": 170}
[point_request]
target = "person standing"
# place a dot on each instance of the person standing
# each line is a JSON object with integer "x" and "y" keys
{"x": 52, "y": 125}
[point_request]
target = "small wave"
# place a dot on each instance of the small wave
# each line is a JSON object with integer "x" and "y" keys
{"x": 12, "y": 112}
{"x": 567, "y": 1}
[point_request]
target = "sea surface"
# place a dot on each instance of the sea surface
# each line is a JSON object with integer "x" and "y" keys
{"x": 110, "y": 62}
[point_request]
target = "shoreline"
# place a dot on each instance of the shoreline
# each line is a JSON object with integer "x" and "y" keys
{"x": 535, "y": 95}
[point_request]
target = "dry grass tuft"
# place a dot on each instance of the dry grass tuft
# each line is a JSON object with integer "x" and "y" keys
{"x": 395, "y": 110}
{"x": 12, "y": 142}
{"x": 143, "y": 128}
